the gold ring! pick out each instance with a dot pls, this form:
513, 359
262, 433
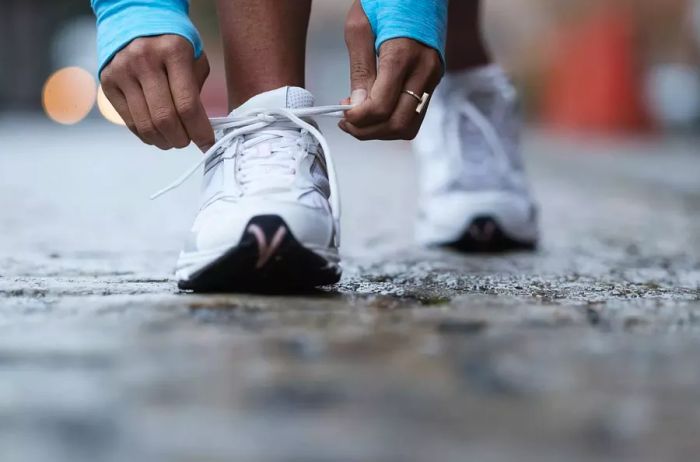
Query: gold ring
422, 100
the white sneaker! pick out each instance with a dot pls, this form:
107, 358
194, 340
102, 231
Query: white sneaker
474, 194
269, 212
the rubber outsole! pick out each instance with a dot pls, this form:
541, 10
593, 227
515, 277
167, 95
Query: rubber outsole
268, 259
485, 235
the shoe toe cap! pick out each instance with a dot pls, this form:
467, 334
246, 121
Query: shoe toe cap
225, 224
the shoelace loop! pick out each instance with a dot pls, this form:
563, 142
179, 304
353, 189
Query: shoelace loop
256, 120
487, 130
272, 168
464, 107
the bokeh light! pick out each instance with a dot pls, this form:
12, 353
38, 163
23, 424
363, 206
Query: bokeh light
69, 95
106, 108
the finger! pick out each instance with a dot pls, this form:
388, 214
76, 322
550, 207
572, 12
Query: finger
185, 89
359, 39
404, 123
156, 90
118, 100
383, 96
201, 70
142, 116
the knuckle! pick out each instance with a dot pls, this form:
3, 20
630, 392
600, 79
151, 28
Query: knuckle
116, 68
137, 64
109, 83
186, 107
409, 133
203, 140
404, 48
171, 43
355, 27
382, 111
181, 143
352, 131
392, 60
110, 86
117, 62
148, 134
400, 47
163, 118
396, 128
107, 76
433, 62
396, 123
176, 51
139, 48
146, 129
359, 71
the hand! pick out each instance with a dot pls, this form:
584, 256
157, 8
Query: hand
154, 84
383, 111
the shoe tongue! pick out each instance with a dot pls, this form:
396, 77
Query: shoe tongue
285, 97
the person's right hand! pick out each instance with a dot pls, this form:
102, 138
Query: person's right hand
154, 84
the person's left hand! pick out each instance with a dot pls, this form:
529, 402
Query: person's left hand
384, 111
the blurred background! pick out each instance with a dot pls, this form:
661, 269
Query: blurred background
102, 360
629, 66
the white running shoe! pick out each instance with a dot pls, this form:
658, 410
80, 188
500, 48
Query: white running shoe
269, 212
474, 193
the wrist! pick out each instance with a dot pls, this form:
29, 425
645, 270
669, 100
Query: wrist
117, 28
424, 21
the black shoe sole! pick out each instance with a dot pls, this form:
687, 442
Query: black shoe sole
485, 235
289, 268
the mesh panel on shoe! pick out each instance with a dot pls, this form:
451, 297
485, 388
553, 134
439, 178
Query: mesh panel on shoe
299, 98
320, 178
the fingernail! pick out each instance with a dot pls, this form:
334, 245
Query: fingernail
358, 96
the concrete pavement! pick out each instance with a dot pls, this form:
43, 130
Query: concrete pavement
585, 350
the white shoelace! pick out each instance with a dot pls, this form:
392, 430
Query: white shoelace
487, 130
254, 122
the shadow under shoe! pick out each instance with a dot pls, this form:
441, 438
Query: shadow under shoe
485, 235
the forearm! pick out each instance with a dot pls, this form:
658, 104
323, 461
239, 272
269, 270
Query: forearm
421, 20
121, 21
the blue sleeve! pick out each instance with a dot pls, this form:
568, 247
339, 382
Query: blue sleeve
121, 21
422, 20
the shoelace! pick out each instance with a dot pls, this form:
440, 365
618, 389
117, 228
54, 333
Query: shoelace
254, 122
482, 123
260, 170
485, 126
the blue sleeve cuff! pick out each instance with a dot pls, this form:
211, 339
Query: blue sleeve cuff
119, 22
422, 20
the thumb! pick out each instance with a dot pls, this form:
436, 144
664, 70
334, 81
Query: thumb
359, 39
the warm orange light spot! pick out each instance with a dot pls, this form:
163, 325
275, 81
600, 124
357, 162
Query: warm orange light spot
106, 108
69, 95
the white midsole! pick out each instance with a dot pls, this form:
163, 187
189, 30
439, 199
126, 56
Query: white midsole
513, 212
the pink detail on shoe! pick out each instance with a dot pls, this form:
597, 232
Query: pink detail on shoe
484, 234
266, 251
